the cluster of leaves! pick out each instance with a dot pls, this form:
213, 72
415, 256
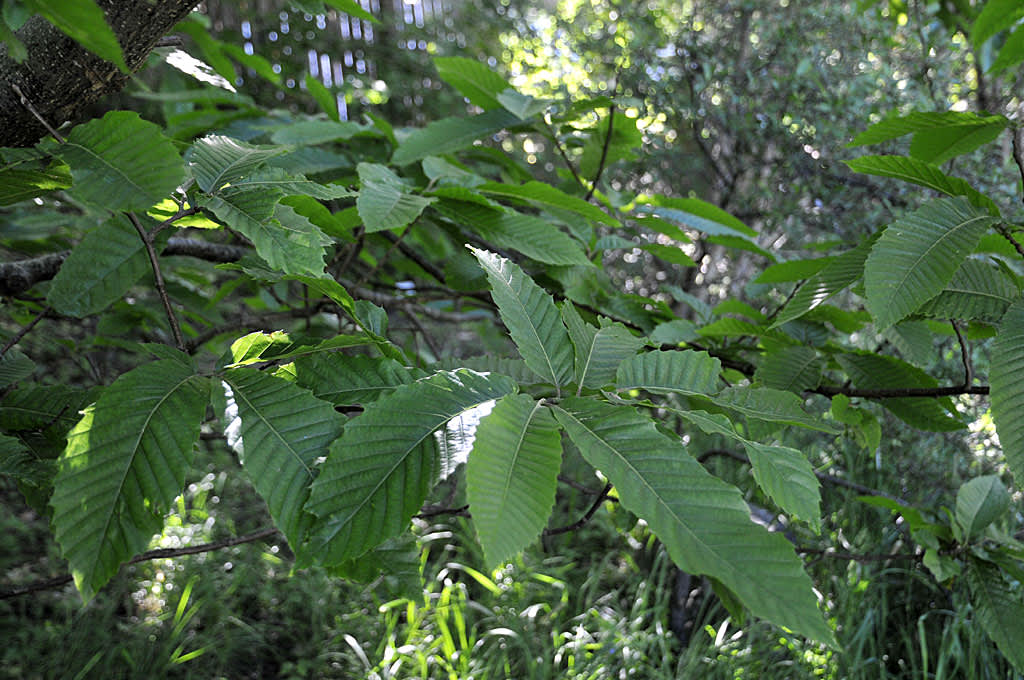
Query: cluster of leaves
328, 205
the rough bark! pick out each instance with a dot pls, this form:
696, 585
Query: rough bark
60, 78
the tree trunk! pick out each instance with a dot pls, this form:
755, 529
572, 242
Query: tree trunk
60, 78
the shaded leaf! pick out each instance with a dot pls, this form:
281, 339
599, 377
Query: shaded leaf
100, 269
1007, 394
793, 369
659, 372
343, 380
544, 195
774, 406
121, 162
216, 160
599, 351
980, 502
473, 79
923, 174
451, 134
843, 271
998, 609
978, 291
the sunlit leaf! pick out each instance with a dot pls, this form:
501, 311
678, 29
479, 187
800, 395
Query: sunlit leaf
124, 464
512, 474
657, 479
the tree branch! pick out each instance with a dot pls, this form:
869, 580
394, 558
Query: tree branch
19, 276
158, 277
160, 553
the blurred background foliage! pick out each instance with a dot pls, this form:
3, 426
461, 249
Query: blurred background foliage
744, 103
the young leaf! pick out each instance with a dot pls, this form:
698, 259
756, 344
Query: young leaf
998, 608
980, 502
1007, 387
121, 162
918, 255
531, 317
660, 372
512, 474
278, 431
658, 480
124, 464
598, 351
100, 270
473, 79
377, 474
451, 134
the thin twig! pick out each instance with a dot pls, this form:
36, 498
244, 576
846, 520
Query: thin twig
433, 511
601, 498
1005, 233
160, 553
855, 557
24, 331
604, 153
965, 354
562, 153
31, 109
158, 277
1018, 152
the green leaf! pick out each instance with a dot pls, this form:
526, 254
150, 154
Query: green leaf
661, 372
995, 16
979, 291
546, 196
324, 97
312, 132
670, 254
378, 473
281, 181
843, 271
384, 200
18, 462
532, 236
783, 473
703, 522
124, 464
923, 174
84, 22
531, 317
278, 431
353, 9
1011, 53
599, 351
980, 502
998, 609
918, 255
875, 371
344, 380
284, 238
938, 136
22, 181
696, 214
1007, 394
451, 134
100, 270
121, 162
512, 475
473, 79
774, 406
523, 106
278, 346
674, 332
793, 369
14, 366
216, 161
794, 270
